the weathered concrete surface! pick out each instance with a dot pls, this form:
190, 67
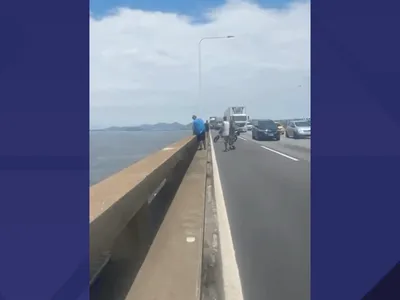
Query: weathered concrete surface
117, 199
172, 268
212, 287
107, 192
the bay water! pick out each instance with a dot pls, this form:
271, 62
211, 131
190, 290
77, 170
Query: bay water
112, 151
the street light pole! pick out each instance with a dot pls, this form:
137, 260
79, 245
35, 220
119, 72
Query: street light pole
199, 52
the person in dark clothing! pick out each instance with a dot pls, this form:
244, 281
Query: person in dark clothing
232, 128
232, 132
207, 127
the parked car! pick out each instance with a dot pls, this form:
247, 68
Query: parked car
280, 128
265, 130
298, 129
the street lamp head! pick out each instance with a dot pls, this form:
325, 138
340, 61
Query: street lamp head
230, 37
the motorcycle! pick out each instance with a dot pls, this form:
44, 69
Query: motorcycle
231, 141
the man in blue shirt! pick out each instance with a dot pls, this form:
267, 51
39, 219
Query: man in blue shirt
199, 130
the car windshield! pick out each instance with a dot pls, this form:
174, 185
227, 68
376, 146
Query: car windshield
266, 125
302, 124
239, 118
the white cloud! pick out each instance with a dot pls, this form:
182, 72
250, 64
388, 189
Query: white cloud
144, 65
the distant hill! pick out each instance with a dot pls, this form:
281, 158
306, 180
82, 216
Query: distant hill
152, 127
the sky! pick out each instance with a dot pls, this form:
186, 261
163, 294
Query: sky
144, 60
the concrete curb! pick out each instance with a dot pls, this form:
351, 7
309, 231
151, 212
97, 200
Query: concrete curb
227, 272
212, 272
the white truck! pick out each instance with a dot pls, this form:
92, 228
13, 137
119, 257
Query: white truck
239, 116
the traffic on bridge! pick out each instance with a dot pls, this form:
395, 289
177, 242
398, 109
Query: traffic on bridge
221, 210
265, 195
225, 223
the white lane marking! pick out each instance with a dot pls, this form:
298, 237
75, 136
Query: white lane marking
280, 153
242, 138
230, 272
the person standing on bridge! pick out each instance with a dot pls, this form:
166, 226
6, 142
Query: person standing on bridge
199, 130
207, 126
232, 133
224, 132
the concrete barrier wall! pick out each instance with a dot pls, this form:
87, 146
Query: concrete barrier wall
125, 212
172, 268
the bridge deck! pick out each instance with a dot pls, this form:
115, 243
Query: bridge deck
267, 195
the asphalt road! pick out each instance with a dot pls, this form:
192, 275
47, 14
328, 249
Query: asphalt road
267, 196
300, 148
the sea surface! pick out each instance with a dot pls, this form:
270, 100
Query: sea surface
112, 151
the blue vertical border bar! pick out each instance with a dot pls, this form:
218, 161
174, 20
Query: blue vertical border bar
355, 195
44, 149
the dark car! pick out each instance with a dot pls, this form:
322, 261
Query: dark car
265, 130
